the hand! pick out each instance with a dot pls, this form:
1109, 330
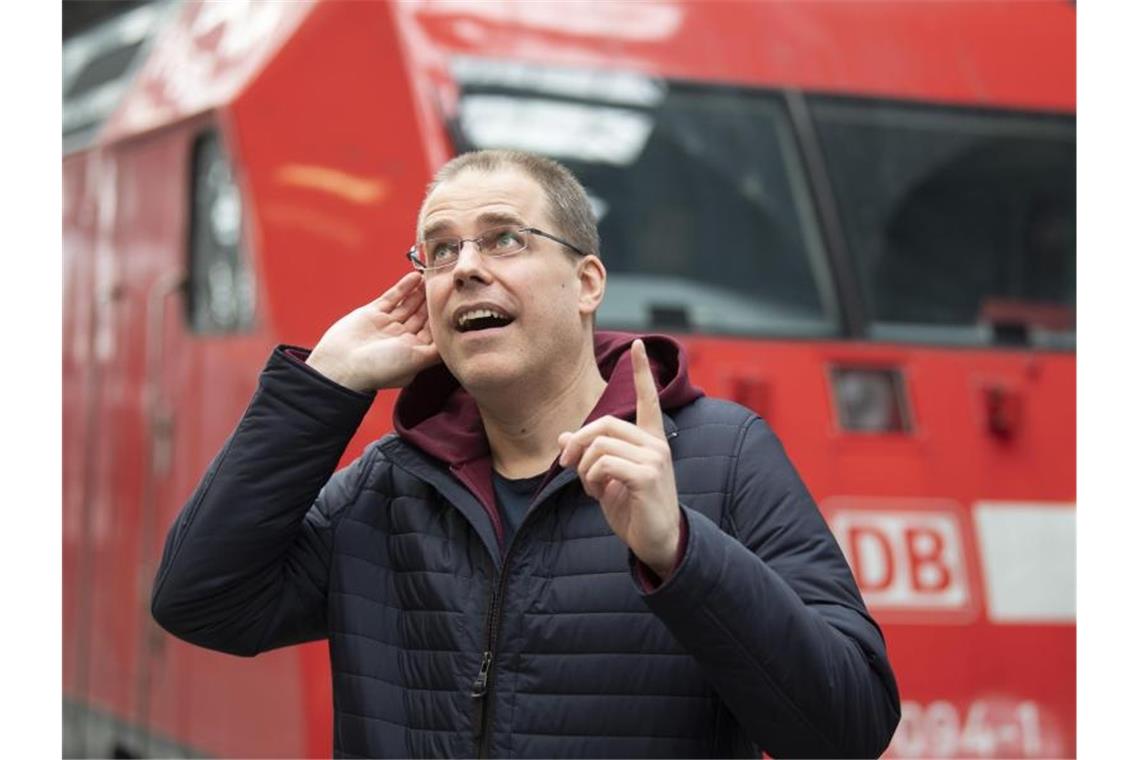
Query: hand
383, 344
628, 468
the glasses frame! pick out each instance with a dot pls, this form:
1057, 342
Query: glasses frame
420, 266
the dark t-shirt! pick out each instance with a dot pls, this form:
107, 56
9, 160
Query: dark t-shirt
514, 498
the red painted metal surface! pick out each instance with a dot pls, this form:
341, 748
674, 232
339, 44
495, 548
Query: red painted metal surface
1005, 54
334, 130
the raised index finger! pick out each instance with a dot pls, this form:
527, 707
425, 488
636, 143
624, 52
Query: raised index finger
648, 407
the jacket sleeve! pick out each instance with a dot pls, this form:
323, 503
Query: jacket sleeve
773, 615
245, 565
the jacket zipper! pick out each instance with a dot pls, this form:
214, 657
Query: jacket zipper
482, 683
481, 686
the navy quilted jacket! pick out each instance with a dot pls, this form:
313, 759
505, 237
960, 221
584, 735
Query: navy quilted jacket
443, 642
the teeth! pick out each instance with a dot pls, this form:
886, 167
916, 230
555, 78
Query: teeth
479, 314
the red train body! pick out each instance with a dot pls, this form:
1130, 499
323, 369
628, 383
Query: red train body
260, 176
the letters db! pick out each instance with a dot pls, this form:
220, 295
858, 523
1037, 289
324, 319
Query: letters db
911, 558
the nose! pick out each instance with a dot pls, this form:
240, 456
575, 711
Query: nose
470, 265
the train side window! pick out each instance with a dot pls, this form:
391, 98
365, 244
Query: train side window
99, 63
962, 224
220, 292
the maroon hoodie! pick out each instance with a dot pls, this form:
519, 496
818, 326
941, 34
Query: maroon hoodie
439, 417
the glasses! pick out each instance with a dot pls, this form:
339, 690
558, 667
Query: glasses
438, 253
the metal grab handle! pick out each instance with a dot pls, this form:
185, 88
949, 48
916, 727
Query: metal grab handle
159, 416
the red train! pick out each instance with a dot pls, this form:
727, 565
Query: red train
858, 217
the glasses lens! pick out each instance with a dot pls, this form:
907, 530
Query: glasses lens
439, 252
502, 241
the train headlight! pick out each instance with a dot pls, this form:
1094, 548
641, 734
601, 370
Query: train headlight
870, 400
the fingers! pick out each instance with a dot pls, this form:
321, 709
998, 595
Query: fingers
575, 444
425, 347
408, 308
605, 445
415, 323
642, 460
398, 292
608, 469
424, 334
648, 407
613, 492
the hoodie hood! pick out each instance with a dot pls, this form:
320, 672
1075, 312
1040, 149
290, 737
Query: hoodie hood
435, 414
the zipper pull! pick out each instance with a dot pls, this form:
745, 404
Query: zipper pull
479, 688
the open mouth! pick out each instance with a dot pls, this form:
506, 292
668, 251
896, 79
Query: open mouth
481, 319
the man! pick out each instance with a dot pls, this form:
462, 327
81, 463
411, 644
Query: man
564, 548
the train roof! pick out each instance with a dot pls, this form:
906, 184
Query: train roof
998, 54
167, 61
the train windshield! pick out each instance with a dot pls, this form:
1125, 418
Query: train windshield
704, 211
962, 225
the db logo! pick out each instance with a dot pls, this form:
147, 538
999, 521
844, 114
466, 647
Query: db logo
909, 557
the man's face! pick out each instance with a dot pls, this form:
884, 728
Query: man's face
540, 289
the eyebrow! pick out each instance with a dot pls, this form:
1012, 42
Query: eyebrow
484, 220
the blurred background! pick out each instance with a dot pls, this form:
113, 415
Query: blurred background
858, 217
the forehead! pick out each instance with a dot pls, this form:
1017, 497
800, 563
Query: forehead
457, 204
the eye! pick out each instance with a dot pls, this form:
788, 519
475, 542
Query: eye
442, 251
506, 240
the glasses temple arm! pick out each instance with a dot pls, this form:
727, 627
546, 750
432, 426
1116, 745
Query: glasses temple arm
572, 247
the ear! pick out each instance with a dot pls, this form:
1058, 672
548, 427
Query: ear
591, 284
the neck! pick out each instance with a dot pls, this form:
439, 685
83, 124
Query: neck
522, 425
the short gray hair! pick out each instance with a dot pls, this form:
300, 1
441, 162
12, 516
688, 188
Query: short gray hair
566, 199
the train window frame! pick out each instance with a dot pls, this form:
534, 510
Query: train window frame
221, 284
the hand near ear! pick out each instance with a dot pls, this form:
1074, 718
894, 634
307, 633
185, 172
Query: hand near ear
383, 344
